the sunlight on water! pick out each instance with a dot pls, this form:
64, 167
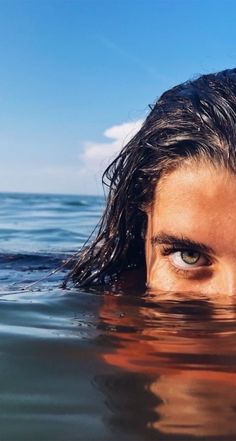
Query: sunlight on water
81, 366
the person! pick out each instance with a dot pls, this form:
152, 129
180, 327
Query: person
171, 206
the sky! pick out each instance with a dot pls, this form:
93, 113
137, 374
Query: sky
77, 76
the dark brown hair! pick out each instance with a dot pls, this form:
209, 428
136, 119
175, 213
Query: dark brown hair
194, 119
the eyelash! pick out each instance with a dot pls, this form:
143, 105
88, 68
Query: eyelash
167, 251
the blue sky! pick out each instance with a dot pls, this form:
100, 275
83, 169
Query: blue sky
76, 78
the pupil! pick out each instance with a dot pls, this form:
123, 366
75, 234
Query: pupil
190, 257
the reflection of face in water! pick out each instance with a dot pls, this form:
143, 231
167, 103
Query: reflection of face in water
178, 361
191, 234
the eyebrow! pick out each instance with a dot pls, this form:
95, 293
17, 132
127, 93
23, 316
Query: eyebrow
180, 242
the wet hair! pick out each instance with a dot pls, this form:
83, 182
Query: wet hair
196, 119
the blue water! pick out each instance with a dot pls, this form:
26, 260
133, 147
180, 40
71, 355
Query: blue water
90, 366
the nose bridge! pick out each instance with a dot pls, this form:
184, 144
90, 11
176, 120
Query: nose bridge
227, 282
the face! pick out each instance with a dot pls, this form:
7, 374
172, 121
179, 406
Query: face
191, 233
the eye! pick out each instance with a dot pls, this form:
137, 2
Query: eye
188, 259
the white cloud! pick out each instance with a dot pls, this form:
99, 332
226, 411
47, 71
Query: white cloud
81, 176
97, 155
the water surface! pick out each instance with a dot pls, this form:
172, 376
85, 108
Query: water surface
112, 366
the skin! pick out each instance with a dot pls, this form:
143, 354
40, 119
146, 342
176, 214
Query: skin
191, 234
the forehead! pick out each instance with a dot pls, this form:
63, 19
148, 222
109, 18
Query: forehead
196, 200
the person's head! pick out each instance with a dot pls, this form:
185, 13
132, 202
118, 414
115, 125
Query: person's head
171, 206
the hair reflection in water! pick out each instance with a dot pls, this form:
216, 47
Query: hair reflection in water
176, 367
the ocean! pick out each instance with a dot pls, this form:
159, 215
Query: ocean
77, 365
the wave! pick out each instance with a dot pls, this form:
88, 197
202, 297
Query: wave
44, 260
